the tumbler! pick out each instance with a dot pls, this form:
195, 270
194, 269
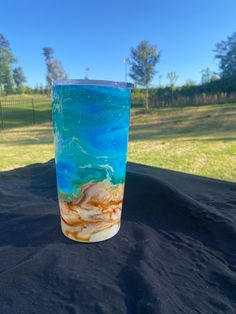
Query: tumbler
90, 127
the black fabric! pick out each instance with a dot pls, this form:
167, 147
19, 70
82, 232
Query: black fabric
175, 252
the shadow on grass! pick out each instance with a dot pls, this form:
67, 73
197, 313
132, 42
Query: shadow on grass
25, 117
31, 131
217, 123
39, 137
150, 132
167, 129
214, 139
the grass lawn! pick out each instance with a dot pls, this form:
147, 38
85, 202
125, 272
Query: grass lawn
199, 140
17, 112
23, 96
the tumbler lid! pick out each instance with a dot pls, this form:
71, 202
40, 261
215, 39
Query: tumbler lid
93, 82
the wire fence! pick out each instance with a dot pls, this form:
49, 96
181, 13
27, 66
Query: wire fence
22, 112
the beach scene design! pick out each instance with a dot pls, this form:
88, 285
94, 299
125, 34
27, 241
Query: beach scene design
90, 125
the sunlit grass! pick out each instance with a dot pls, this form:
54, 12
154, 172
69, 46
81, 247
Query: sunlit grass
199, 140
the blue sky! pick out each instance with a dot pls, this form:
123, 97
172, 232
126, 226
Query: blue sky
99, 34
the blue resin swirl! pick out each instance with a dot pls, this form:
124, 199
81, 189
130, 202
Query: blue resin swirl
90, 125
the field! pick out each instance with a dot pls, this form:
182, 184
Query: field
199, 140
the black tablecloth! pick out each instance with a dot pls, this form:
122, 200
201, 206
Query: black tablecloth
175, 252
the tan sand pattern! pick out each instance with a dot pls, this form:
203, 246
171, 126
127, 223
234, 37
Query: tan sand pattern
95, 215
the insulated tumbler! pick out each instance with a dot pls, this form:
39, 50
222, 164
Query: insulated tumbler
90, 126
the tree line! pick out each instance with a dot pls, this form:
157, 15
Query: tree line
145, 57
142, 69
12, 77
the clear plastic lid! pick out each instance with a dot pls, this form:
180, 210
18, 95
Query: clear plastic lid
94, 82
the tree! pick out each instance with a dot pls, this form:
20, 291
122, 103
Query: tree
41, 89
7, 80
36, 89
226, 54
205, 75
142, 65
172, 77
190, 83
4, 43
6, 60
208, 76
160, 77
55, 70
19, 77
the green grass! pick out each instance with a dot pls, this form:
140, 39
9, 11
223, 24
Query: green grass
18, 112
199, 140
23, 96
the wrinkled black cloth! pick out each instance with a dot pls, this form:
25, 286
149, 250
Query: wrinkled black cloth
175, 252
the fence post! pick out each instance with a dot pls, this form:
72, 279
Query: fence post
1, 114
33, 112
